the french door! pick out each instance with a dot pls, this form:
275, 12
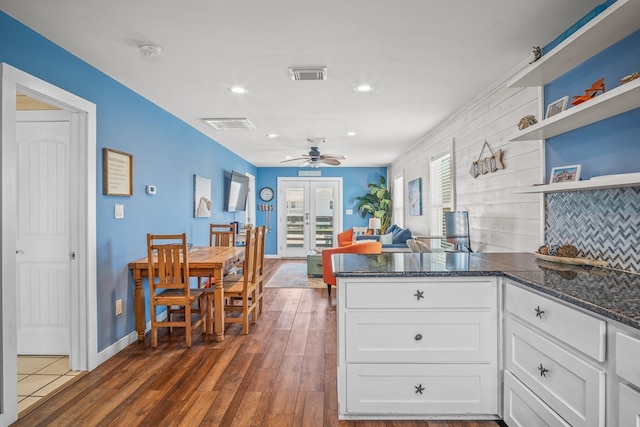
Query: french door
309, 214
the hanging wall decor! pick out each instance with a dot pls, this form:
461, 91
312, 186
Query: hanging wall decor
487, 164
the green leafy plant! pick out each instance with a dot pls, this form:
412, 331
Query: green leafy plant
377, 203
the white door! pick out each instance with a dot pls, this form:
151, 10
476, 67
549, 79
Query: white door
309, 215
43, 244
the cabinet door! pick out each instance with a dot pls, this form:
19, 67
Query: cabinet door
629, 409
421, 294
570, 386
421, 336
422, 389
522, 408
580, 330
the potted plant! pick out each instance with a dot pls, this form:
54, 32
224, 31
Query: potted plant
377, 203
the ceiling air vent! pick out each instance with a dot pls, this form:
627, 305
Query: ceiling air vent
308, 73
240, 123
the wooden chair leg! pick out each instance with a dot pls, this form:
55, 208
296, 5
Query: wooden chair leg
329, 289
187, 324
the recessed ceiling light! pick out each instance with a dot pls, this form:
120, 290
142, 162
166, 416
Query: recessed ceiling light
238, 89
364, 88
272, 135
351, 133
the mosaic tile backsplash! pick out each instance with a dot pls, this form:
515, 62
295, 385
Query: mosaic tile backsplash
602, 224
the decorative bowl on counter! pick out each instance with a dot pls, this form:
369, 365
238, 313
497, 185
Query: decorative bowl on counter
569, 260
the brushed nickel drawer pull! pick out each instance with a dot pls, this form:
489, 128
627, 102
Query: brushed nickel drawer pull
419, 294
419, 389
418, 337
543, 371
539, 312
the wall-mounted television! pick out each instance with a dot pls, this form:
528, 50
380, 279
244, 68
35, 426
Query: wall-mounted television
237, 191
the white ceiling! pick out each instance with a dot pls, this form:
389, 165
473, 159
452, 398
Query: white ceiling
425, 59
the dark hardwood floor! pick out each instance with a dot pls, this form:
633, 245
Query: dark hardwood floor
282, 374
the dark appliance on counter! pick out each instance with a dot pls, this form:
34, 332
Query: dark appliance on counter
457, 230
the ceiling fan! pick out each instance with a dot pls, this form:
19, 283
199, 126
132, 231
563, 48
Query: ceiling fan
315, 159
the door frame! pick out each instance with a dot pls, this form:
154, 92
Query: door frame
83, 305
282, 209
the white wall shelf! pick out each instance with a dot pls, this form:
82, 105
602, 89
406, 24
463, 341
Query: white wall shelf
616, 101
612, 25
610, 181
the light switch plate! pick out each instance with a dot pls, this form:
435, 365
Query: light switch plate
349, 212
119, 211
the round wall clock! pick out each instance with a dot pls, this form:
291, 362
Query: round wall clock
266, 194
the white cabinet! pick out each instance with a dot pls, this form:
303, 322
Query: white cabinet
417, 348
627, 370
629, 406
552, 350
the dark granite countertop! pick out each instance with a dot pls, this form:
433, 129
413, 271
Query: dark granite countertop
609, 293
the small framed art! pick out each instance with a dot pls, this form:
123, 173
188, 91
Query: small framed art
557, 107
117, 177
565, 174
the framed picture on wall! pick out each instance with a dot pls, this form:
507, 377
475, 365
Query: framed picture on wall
565, 174
415, 197
557, 107
201, 197
117, 173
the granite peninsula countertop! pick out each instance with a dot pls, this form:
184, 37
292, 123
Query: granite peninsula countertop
609, 293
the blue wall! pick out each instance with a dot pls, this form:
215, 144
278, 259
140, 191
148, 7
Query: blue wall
167, 152
609, 146
354, 182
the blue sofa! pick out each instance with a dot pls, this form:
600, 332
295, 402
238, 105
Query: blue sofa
395, 240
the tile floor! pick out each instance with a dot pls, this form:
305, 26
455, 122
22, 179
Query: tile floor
40, 375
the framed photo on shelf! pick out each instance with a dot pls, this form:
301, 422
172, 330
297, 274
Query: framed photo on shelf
565, 174
557, 107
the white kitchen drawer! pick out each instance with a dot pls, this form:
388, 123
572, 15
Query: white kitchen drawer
569, 385
421, 336
629, 407
421, 389
522, 408
575, 328
421, 294
628, 358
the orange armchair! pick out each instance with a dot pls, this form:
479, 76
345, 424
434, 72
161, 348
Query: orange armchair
368, 247
345, 238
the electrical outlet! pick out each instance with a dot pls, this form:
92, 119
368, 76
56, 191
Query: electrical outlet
118, 307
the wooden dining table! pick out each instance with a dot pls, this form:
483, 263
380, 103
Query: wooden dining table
204, 261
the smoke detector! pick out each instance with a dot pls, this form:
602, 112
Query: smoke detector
150, 50
308, 73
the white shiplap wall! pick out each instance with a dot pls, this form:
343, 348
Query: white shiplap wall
500, 220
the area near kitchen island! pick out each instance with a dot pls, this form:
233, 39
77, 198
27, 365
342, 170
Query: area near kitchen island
551, 342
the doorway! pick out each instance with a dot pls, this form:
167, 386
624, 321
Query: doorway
81, 249
310, 214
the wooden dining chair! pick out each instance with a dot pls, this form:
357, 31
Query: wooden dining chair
259, 265
222, 235
243, 291
168, 270
219, 235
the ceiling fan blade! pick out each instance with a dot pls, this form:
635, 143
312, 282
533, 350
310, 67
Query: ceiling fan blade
297, 158
334, 156
333, 162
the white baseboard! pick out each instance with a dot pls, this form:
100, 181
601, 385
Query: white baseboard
124, 342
